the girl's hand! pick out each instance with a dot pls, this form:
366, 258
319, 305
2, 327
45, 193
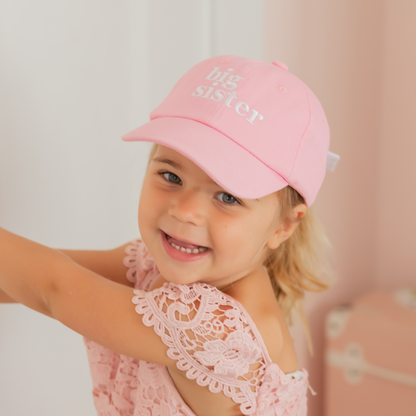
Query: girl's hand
49, 282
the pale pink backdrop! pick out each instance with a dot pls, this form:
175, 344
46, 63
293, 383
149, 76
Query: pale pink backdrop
359, 57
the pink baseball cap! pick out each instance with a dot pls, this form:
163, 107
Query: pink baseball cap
252, 126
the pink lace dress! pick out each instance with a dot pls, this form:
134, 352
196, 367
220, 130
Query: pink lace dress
213, 340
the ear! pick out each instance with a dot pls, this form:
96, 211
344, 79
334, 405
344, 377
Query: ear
285, 229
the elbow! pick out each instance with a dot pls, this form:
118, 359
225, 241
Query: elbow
54, 286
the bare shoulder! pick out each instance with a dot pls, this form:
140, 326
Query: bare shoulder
265, 315
260, 303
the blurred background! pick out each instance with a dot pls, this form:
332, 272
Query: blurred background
76, 75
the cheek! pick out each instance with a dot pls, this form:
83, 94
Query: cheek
141, 215
250, 236
242, 236
147, 208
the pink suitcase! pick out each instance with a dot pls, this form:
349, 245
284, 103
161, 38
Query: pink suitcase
371, 356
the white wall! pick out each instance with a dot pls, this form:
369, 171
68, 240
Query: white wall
66, 180
75, 76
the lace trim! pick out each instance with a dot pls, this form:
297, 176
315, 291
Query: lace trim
209, 337
281, 395
139, 262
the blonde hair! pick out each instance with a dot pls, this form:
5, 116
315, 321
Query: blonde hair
295, 266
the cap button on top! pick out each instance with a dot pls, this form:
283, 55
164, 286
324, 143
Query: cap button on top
280, 65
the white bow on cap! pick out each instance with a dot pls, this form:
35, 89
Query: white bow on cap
331, 161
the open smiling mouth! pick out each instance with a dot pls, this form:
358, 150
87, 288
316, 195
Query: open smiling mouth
185, 247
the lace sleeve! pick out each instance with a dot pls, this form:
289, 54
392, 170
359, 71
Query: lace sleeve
139, 262
209, 337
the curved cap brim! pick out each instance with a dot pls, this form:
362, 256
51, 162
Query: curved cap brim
227, 163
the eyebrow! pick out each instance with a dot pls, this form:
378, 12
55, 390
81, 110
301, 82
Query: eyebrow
178, 166
168, 162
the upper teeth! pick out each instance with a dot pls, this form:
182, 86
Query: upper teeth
187, 250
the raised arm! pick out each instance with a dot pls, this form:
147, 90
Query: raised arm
106, 263
51, 283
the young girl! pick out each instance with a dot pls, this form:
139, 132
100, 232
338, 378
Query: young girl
192, 321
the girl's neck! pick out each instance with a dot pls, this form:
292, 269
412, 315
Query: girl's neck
242, 285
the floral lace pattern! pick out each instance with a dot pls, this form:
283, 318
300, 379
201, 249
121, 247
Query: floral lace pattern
139, 262
211, 338
281, 396
208, 336
230, 357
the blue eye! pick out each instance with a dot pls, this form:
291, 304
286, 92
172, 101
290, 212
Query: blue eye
171, 177
227, 198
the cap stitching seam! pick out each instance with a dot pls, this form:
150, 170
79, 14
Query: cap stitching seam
304, 132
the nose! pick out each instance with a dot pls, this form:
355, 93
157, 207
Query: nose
189, 207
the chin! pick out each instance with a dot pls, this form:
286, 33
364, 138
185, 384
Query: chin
180, 278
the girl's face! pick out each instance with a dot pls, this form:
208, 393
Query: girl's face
181, 205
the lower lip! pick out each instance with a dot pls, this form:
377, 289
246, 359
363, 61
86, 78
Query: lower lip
180, 255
